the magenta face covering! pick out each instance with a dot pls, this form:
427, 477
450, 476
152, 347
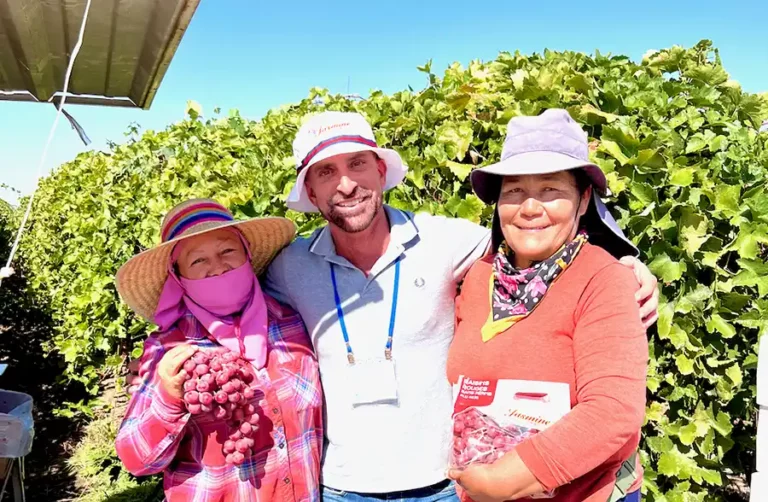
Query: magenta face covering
223, 294
230, 306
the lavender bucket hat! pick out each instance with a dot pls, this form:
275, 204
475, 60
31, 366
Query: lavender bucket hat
549, 143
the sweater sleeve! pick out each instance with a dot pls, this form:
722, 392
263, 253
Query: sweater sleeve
154, 423
610, 354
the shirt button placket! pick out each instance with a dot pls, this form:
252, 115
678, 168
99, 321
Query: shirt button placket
279, 434
280, 441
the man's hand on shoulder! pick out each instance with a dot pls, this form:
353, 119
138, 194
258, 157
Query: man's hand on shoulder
647, 295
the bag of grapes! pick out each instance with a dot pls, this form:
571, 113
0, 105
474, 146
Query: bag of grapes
491, 417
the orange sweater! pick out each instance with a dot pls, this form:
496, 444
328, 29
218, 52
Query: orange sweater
587, 333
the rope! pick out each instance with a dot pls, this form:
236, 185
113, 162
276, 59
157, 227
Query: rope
7, 271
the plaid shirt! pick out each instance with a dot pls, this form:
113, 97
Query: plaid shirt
159, 435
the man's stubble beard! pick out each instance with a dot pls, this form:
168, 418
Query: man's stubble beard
357, 223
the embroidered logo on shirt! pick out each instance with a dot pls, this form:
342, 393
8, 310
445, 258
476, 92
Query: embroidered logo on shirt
419, 282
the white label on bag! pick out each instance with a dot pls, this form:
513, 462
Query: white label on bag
373, 381
522, 403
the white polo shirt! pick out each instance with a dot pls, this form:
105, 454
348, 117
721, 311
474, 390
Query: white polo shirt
379, 448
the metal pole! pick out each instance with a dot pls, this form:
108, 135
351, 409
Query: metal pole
7, 477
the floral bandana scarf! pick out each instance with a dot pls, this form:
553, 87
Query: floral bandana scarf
516, 292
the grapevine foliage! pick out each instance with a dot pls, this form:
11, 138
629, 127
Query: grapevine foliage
677, 139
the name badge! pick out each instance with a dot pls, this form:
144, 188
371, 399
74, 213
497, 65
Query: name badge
373, 381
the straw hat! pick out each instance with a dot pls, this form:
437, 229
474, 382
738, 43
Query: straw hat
140, 281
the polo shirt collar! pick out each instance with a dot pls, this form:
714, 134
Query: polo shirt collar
402, 231
402, 228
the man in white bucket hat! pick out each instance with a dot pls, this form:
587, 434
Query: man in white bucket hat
329, 134
375, 288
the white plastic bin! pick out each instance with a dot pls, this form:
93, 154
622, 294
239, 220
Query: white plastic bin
16, 424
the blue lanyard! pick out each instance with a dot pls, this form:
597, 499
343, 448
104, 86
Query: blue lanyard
340, 314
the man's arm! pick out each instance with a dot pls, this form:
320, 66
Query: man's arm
274, 281
467, 242
647, 295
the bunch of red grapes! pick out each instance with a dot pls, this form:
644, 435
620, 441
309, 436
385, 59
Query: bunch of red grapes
477, 438
219, 383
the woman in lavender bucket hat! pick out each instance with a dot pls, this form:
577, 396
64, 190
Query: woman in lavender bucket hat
551, 307
550, 143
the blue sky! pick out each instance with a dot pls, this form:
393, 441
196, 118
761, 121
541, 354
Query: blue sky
256, 55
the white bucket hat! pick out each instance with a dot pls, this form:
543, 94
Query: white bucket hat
333, 133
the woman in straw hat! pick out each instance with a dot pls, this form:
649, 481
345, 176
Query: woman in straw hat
552, 308
200, 287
